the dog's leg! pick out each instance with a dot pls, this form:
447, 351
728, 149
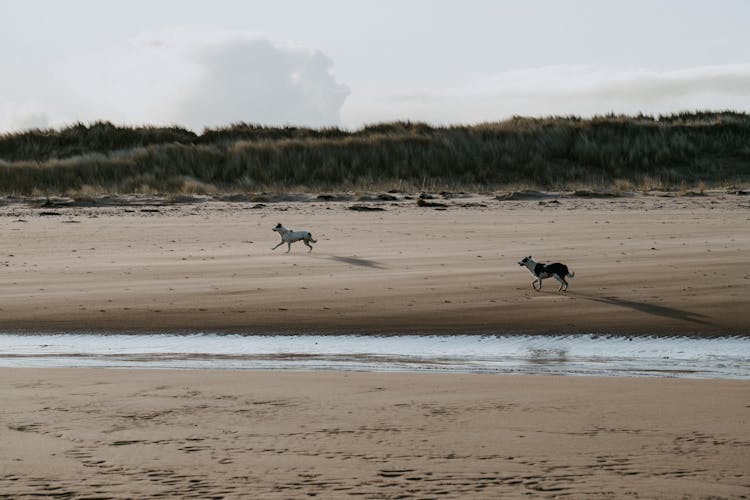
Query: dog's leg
562, 283
308, 245
288, 246
277, 246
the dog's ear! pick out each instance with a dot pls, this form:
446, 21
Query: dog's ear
529, 257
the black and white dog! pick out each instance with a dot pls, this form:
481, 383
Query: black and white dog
544, 271
288, 236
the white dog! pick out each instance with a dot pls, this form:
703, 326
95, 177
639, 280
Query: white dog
544, 271
288, 236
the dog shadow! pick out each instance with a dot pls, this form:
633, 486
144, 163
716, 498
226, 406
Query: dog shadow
645, 307
356, 261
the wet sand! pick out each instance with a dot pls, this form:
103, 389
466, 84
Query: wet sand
73, 433
643, 264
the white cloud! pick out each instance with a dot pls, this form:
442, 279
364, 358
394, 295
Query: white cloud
255, 80
213, 78
561, 90
192, 79
24, 119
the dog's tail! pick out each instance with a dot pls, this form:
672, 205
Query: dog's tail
570, 275
309, 235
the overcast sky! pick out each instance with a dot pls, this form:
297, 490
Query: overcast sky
352, 62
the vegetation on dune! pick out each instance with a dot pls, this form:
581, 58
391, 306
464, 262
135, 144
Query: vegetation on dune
552, 153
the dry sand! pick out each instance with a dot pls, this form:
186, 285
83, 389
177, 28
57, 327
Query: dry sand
75, 433
643, 264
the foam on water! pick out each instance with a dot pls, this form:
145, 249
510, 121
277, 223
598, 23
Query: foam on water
725, 357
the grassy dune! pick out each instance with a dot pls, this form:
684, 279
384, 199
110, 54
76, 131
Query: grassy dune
607, 152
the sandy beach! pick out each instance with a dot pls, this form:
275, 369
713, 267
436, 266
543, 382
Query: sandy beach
643, 264
74, 433
651, 265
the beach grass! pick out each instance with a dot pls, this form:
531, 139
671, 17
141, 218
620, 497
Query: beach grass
612, 153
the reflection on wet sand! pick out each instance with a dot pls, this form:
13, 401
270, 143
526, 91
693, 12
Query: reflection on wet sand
727, 357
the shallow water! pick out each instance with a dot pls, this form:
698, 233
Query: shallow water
726, 357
